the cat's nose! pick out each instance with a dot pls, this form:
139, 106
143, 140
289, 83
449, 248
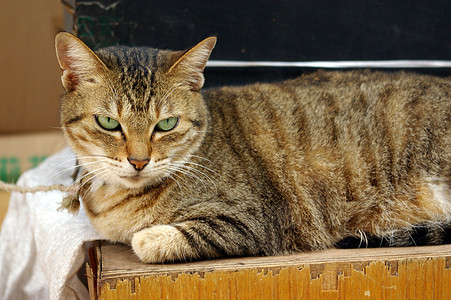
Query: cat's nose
138, 164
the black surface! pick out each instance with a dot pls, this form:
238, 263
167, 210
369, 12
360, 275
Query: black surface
273, 30
416, 236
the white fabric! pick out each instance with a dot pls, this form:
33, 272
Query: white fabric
41, 249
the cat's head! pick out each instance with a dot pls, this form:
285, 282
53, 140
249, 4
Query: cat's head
133, 116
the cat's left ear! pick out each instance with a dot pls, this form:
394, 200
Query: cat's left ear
190, 66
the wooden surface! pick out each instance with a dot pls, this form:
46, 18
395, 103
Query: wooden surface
383, 273
4, 201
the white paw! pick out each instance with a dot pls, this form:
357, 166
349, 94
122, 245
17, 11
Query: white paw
161, 243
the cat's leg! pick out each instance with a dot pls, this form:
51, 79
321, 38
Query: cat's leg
162, 243
203, 238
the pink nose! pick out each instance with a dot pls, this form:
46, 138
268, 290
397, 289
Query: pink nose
138, 164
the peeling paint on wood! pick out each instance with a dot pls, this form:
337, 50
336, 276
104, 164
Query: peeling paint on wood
383, 273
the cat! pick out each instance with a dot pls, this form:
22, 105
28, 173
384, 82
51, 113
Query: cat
329, 159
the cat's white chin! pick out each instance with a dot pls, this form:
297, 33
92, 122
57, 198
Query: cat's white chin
137, 181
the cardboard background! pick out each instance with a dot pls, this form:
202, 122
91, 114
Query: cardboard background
30, 87
29, 73
21, 152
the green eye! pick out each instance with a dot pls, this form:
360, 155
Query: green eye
167, 124
108, 123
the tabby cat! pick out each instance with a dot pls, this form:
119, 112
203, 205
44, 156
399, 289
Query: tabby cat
327, 159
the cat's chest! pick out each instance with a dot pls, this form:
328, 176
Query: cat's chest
118, 213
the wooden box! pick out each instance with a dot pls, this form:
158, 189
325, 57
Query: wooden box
114, 272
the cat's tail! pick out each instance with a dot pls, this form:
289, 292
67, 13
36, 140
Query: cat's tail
418, 235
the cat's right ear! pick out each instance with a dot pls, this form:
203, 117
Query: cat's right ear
77, 62
190, 66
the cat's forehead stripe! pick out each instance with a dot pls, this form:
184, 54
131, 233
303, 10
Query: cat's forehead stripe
135, 67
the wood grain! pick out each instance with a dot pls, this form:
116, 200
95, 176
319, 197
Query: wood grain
383, 273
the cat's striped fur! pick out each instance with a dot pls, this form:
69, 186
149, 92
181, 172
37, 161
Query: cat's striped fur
328, 158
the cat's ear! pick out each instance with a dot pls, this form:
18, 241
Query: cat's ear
190, 66
77, 62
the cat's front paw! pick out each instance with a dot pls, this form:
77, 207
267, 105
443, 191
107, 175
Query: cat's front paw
162, 243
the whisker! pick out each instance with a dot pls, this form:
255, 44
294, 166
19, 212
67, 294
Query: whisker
202, 166
185, 165
93, 156
74, 158
203, 174
188, 173
91, 179
175, 180
195, 167
78, 166
178, 176
93, 172
104, 176
168, 93
71, 158
84, 175
190, 168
